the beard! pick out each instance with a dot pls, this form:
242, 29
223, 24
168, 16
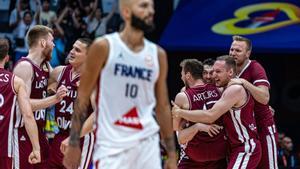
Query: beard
47, 53
140, 24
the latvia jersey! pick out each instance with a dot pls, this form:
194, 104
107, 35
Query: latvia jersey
23, 147
38, 89
63, 115
126, 97
7, 106
255, 74
243, 138
203, 148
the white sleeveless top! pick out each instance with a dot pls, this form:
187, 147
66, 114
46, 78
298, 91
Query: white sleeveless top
126, 97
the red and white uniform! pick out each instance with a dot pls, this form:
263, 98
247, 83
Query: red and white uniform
23, 145
204, 151
255, 74
240, 126
7, 114
63, 114
127, 133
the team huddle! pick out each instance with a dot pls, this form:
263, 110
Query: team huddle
225, 101
112, 106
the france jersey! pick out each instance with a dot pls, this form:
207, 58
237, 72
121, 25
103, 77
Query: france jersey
126, 97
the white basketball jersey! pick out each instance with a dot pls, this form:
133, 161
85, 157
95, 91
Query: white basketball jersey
126, 97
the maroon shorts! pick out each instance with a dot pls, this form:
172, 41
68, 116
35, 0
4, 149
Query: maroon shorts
23, 148
245, 157
56, 157
268, 137
187, 163
6, 163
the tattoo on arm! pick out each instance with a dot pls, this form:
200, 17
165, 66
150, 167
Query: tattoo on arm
170, 144
78, 118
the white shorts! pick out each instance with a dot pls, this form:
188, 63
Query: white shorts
146, 155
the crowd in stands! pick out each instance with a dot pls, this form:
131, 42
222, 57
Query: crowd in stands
69, 19
73, 19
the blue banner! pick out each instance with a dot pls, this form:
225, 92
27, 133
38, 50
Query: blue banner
208, 25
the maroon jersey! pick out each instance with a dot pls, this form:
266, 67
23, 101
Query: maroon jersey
203, 147
240, 125
7, 105
255, 74
64, 109
38, 88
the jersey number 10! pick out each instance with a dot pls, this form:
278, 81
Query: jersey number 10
131, 90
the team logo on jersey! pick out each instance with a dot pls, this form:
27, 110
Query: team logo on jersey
149, 61
130, 119
45, 68
22, 138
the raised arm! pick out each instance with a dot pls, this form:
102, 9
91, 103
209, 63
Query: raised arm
29, 121
163, 113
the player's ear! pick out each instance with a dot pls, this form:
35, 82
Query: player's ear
248, 53
43, 43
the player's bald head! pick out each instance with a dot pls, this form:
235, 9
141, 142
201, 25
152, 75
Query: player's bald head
124, 3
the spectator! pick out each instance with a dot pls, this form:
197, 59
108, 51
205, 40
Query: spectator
58, 53
287, 158
46, 16
96, 24
24, 25
18, 12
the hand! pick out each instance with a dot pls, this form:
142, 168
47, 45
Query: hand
171, 163
175, 110
235, 81
64, 145
211, 130
61, 92
34, 157
72, 157
214, 130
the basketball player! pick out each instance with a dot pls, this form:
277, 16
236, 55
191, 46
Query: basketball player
253, 77
199, 150
12, 90
69, 76
208, 71
239, 122
34, 70
130, 75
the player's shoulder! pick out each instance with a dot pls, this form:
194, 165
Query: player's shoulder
234, 90
255, 65
181, 98
58, 69
161, 52
23, 64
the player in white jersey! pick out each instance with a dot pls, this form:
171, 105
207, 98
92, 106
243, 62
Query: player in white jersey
130, 75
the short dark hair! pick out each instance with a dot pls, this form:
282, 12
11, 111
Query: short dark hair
37, 32
229, 61
86, 41
194, 66
209, 62
4, 48
243, 39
